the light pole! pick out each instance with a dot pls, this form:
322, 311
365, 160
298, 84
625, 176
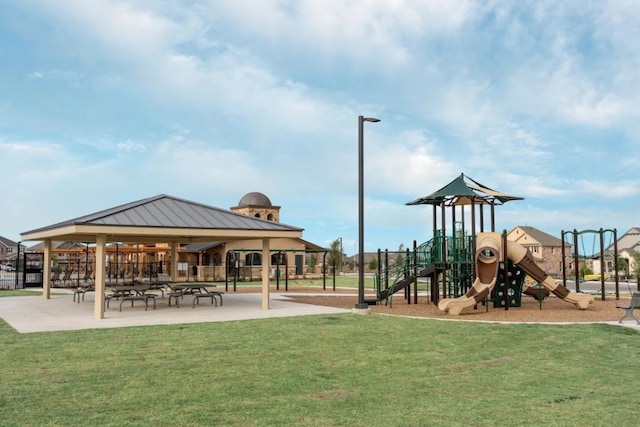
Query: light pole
341, 254
361, 304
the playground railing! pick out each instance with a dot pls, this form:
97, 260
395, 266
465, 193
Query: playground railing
425, 255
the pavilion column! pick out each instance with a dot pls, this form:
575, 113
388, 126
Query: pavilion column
174, 261
101, 249
266, 263
46, 273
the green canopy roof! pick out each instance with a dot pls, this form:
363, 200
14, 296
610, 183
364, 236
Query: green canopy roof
464, 191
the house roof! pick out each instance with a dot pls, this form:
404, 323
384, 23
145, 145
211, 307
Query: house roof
58, 246
629, 240
6, 242
545, 239
163, 218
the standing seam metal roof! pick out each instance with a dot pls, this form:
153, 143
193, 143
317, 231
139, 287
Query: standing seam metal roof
172, 212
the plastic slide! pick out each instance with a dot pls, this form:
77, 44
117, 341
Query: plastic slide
521, 256
488, 255
487, 260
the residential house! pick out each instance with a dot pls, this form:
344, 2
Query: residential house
9, 250
628, 245
67, 255
545, 248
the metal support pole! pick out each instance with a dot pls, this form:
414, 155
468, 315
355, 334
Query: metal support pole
361, 304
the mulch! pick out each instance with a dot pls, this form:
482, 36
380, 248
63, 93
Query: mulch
552, 309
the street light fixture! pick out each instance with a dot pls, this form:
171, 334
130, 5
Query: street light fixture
361, 304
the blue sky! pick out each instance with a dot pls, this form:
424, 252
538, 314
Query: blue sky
107, 102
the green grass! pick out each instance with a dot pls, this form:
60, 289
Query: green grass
18, 293
24, 293
341, 282
329, 370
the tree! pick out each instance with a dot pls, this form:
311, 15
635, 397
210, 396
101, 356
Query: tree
312, 262
335, 254
636, 265
623, 266
584, 269
373, 264
400, 256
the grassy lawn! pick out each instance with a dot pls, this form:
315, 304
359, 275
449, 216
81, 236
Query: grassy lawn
350, 281
328, 370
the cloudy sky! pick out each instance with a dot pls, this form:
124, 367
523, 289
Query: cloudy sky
107, 102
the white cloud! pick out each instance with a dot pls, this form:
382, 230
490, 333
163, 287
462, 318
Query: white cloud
405, 166
372, 31
249, 94
609, 190
129, 146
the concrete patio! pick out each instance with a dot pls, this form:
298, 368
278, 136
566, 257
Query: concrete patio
36, 314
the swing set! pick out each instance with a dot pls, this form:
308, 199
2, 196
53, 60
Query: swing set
574, 237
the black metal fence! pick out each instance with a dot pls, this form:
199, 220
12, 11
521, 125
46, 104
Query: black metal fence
9, 276
27, 271
22, 272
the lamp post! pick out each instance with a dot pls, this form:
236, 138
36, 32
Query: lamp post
361, 304
341, 254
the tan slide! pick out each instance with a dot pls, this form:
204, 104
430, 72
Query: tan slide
521, 256
487, 258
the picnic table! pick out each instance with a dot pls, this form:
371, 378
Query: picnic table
131, 293
161, 285
197, 289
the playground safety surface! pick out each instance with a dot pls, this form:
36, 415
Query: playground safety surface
551, 310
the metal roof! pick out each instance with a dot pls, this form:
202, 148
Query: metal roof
199, 247
163, 218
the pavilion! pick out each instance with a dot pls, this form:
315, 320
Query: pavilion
159, 219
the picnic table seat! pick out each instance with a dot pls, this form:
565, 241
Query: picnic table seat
210, 294
138, 297
114, 295
80, 291
175, 295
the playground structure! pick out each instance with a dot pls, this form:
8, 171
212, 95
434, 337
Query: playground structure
491, 247
467, 268
447, 260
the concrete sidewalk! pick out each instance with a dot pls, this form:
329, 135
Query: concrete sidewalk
35, 314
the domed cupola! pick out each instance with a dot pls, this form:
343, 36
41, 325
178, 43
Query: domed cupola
257, 205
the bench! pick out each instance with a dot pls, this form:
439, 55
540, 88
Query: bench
634, 303
212, 295
81, 291
143, 297
115, 295
177, 295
